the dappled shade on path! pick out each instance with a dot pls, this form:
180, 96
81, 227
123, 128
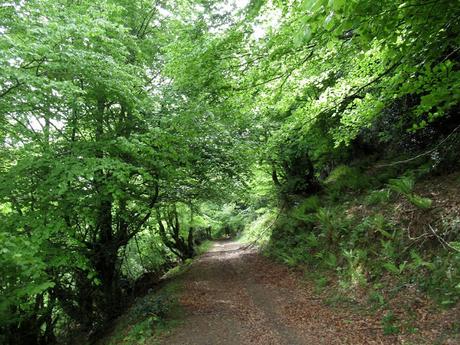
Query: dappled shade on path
233, 295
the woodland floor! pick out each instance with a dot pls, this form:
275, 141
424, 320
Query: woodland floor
233, 295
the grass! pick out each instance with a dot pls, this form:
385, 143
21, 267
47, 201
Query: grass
259, 231
204, 247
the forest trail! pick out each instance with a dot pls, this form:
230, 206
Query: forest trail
233, 295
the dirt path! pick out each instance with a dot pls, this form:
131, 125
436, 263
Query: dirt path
235, 296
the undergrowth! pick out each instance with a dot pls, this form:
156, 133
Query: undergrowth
156, 314
151, 317
358, 233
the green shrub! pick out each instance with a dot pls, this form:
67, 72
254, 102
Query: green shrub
331, 222
390, 324
310, 204
320, 283
405, 185
345, 178
353, 273
378, 197
442, 281
149, 306
395, 269
312, 240
368, 229
376, 298
420, 202
326, 259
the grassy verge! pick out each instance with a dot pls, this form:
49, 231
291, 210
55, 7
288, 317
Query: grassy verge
155, 315
203, 247
150, 318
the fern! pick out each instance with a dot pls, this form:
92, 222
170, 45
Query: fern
403, 185
420, 202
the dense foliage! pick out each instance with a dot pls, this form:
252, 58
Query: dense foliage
97, 146
360, 101
132, 130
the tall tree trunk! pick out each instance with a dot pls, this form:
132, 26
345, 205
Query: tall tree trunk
105, 253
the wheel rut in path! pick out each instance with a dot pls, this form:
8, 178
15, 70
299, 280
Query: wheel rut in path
235, 296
